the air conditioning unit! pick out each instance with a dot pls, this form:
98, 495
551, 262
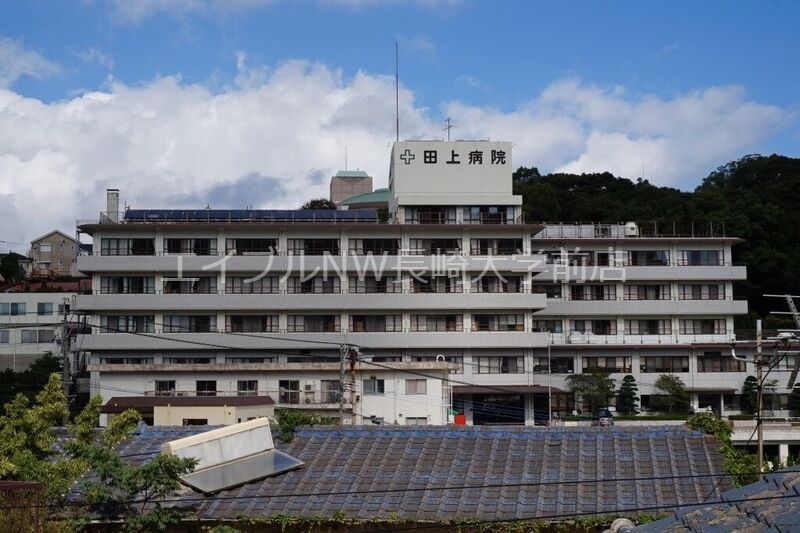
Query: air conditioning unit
308, 400
631, 229
309, 387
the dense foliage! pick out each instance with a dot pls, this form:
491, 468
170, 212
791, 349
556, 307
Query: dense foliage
627, 400
754, 198
742, 466
28, 382
32, 450
749, 401
671, 396
593, 386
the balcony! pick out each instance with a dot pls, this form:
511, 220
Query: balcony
675, 338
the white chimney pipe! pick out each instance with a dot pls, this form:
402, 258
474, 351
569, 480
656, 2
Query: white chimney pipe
112, 205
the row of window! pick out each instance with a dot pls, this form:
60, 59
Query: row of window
18, 309
258, 284
29, 336
394, 323
417, 246
289, 391
494, 364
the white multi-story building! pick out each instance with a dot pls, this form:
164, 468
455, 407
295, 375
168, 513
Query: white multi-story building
29, 324
456, 285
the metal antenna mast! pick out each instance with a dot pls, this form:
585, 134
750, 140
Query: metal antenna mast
448, 127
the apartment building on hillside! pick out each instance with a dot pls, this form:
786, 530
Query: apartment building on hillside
456, 285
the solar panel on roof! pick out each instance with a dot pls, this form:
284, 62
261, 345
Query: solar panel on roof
239, 472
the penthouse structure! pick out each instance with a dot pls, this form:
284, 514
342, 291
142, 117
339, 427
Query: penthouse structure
455, 305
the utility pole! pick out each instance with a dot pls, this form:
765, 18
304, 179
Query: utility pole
342, 354
760, 399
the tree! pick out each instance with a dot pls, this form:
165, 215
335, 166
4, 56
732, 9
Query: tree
595, 387
10, 269
121, 490
319, 203
794, 400
749, 402
627, 400
742, 466
672, 397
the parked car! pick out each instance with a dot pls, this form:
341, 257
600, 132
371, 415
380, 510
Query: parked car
603, 417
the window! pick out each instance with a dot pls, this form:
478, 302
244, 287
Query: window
596, 327
312, 246
550, 291
646, 292
498, 322
127, 324
593, 292
549, 326
34, 336
44, 308
416, 421
195, 421
702, 326
251, 323
501, 365
45, 248
164, 387
374, 246
437, 323
251, 246
701, 292
416, 386
289, 391
248, 387
206, 387
438, 284
4, 336
190, 246
199, 285
716, 362
648, 327
373, 386
376, 323
330, 390
664, 364
700, 257
8, 309
489, 215
613, 364
494, 284
127, 285
313, 323
127, 247
558, 365
648, 258
251, 284
372, 285
430, 215
314, 285
434, 246
495, 246
190, 323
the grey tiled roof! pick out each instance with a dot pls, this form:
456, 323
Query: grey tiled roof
772, 504
439, 473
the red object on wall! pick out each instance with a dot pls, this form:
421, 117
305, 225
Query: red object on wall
461, 420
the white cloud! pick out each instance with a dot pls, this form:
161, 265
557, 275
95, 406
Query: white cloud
17, 61
134, 12
274, 137
97, 56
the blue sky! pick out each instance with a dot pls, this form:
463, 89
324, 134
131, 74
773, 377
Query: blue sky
253, 102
